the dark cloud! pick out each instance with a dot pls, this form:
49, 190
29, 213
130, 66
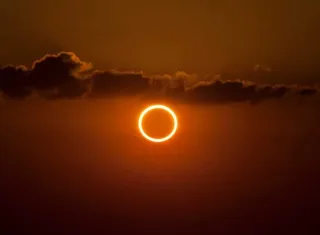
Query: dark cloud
14, 81
115, 82
65, 75
307, 91
59, 75
64, 71
219, 91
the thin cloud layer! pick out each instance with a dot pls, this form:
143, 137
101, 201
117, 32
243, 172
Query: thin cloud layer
115, 82
64, 75
234, 91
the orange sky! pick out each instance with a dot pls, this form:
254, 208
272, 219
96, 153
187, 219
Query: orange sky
199, 35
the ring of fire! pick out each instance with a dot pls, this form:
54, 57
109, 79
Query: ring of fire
165, 108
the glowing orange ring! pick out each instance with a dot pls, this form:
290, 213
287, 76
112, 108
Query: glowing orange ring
158, 106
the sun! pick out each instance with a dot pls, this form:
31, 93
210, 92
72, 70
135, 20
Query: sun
162, 107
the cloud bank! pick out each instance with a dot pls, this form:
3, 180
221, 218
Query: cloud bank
64, 75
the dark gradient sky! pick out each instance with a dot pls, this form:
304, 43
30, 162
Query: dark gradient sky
166, 35
81, 167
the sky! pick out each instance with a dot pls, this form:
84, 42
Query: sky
242, 77
245, 156
165, 35
77, 166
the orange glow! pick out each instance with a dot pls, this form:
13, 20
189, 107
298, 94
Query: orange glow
162, 107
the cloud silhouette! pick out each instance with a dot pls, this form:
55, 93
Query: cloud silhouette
64, 75
122, 83
219, 91
14, 81
64, 71
307, 91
